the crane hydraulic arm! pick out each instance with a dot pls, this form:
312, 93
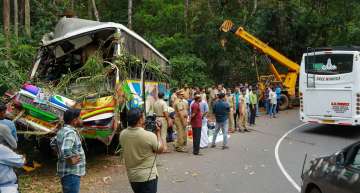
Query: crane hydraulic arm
294, 68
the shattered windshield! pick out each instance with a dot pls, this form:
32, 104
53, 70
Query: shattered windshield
79, 66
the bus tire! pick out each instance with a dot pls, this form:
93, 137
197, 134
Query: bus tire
284, 102
44, 147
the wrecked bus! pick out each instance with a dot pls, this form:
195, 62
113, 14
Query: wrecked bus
102, 68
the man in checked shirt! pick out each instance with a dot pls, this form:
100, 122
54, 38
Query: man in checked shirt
71, 157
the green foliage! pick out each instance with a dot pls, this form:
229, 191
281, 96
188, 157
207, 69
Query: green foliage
164, 17
289, 26
172, 45
14, 68
188, 69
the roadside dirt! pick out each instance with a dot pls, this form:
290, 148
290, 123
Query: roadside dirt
100, 175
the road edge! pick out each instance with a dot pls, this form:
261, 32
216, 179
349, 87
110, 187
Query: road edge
285, 173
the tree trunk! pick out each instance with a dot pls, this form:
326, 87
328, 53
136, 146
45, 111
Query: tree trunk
210, 9
96, 13
72, 5
186, 14
90, 15
255, 8
6, 22
16, 19
21, 14
27, 18
130, 4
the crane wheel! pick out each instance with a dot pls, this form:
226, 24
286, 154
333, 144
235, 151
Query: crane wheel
284, 102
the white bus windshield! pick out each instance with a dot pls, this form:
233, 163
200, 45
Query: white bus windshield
329, 64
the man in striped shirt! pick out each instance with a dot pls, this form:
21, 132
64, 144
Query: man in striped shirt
71, 163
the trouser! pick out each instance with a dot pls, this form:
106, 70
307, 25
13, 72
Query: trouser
231, 119
267, 106
257, 109
278, 106
243, 119
248, 112
70, 183
236, 118
181, 137
196, 140
252, 114
204, 139
164, 127
272, 110
224, 129
145, 187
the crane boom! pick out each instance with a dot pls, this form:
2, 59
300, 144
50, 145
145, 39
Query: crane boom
260, 46
290, 80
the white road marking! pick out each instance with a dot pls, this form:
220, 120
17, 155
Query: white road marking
288, 177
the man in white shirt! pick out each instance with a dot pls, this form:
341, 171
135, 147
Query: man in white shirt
273, 102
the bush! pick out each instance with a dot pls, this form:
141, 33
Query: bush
14, 68
189, 69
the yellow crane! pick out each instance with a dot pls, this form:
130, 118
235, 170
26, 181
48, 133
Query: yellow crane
288, 80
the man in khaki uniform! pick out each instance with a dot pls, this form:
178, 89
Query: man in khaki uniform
161, 111
187, 92
181, 114
243, 111
173, 99
230, 100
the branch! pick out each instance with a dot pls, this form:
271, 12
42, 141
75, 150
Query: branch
96, 13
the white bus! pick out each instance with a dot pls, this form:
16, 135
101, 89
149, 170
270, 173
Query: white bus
329, 86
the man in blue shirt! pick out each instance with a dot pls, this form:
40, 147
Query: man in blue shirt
237, 105
278, 97
6, 138
8, 123
221, 110
31, 165
9, 160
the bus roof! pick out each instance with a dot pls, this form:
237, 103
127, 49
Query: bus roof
71, 27
335, 48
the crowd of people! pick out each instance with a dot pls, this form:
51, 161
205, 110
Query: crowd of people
229, 110
188, 109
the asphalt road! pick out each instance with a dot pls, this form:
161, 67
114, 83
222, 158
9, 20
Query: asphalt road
249, 166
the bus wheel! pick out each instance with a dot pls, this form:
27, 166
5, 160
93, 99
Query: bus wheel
284, 102
44, 147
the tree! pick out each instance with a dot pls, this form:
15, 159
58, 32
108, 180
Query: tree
6, 23
72, 5
189, 69
27, 17
130, 4
16, 19
89, 9
186, 14
21, 13
96, 13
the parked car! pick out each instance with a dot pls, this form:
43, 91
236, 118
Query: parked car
337, 173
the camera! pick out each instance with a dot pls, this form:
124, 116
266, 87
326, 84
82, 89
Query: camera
151, 123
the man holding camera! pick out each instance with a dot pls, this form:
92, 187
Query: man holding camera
140, 148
